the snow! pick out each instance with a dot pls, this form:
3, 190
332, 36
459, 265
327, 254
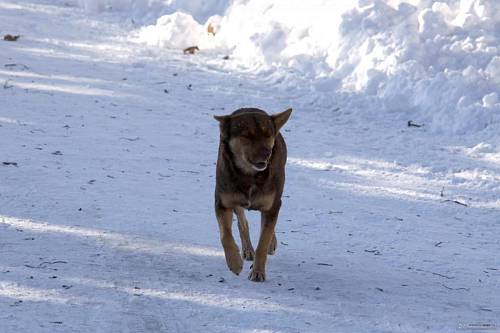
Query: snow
148, 10
433, 61
106, 217
177, 30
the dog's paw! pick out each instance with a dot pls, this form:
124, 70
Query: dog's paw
248, 254
234, 262
272, 246
257, 276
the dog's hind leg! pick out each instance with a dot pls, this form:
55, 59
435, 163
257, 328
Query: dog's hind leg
247, 251
231, 251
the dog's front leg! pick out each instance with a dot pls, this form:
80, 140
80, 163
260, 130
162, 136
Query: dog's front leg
247, 251
269, 219
231, 251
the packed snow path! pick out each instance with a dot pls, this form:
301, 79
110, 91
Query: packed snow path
106, 191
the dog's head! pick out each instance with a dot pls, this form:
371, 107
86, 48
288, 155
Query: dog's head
250, 134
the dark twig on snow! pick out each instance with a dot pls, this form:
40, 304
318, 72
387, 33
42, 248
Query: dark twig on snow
22, 66
457, 202
46, 263
450, 288
190, 171
412, 124
130, 139
437, 274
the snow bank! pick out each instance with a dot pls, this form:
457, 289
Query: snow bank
438, 62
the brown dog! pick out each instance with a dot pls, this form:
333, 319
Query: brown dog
251, 175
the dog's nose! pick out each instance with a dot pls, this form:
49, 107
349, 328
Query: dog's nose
265, 153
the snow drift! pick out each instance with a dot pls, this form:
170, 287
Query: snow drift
438, 62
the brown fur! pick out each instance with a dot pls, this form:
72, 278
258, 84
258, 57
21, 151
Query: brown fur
211, 29
11, 38
250, 175
191, 50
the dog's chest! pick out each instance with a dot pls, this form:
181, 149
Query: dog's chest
249, 197
253, 199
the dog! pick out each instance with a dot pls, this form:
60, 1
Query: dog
250, 174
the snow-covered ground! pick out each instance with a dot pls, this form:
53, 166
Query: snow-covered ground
106, 219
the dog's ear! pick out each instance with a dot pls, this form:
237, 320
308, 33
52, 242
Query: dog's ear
221, 119
281, 118
224, 126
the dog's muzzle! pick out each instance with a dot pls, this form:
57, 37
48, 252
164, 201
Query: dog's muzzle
260, 166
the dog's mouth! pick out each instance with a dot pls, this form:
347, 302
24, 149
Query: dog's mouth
259, 166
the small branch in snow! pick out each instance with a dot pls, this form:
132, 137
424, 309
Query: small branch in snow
456, 201
437, 274
190, 171
485, 309
130, 139
450, 288
163, 176
412, 124
45, 263
441, 275
375, 252
22, 66
16, 303
323, 264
